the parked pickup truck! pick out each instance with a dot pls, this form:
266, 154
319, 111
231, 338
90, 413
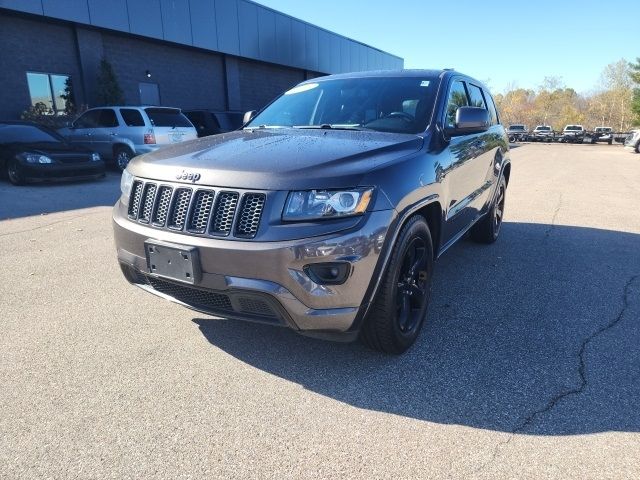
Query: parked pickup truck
573, 134
517, 133
326, 211
601, 134
542, 133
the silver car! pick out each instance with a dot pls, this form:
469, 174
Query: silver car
120, 133
632, 142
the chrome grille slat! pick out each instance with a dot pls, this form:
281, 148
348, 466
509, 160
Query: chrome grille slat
225, 211
161, 210
179, 209
148, 199
196, 211
250, 214
201, 210
136, 197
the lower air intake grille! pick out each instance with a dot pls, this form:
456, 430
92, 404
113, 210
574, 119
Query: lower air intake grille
192, 296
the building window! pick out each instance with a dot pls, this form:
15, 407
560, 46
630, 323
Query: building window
50, 93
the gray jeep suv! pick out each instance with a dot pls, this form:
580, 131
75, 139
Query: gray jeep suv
325, 213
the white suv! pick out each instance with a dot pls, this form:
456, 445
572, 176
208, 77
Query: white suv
120, 133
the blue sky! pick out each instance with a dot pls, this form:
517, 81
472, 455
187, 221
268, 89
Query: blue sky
571, 39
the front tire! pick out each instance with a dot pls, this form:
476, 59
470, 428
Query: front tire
14, 173
400, 306
488, 229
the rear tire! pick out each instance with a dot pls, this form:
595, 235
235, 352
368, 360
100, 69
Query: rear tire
638, 147
14, 173
122, 156
400, 306
488, 229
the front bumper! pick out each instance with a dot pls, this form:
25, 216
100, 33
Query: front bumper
264, 281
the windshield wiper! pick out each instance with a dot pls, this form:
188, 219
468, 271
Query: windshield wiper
264, 126
332, 126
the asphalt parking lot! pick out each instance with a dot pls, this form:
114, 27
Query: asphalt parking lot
529, 366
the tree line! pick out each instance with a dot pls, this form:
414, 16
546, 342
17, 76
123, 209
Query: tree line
615, 104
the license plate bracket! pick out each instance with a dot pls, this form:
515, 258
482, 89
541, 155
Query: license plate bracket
172, 261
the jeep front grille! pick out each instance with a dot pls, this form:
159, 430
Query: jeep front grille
197, 211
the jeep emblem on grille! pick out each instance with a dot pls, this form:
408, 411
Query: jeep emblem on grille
192, 177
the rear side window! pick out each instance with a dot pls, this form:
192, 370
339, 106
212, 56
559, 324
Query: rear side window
107, 118
457, 98
131, 117
493, 113
475, 94
167, 117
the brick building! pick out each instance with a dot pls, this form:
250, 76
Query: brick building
215, 54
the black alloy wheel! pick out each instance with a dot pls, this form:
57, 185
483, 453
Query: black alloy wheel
488, 228
412, 286
399, 308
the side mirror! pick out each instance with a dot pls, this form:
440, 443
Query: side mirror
248, 116
470, 120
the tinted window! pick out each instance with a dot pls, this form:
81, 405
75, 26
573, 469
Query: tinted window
131, 117
167, 117
493, 113
372, 103
475, 94
457, 99
26, 134
107, 118
88, 119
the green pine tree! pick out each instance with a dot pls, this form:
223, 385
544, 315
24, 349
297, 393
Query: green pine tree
109, 91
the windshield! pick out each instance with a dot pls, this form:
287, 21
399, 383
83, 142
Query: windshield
516, 127
387, 104
167, 117
26, 134
573, 127
603, 129
543, 129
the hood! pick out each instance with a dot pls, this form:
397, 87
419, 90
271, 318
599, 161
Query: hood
277, 159
47, 148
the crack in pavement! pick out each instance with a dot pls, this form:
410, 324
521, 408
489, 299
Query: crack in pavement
552, 225
582, 367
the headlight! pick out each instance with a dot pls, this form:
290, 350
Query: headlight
95, 157
315, 204
35, 158
125, 183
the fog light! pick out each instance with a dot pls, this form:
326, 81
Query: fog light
334, 273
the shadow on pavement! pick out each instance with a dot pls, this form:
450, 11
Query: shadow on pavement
51, 197
501, 349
